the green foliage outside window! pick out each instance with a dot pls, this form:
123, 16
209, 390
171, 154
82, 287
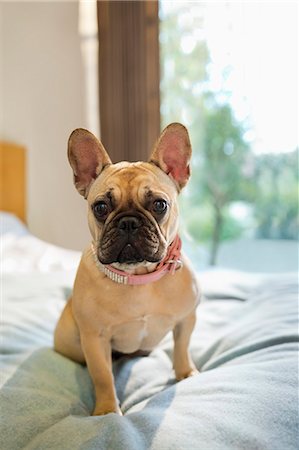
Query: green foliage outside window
225, 171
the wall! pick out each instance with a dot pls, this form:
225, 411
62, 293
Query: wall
42, 101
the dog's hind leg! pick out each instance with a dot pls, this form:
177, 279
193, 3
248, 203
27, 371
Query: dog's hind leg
67, 336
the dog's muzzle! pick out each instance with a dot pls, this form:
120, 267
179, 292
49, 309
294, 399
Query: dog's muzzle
128, 227
130, 239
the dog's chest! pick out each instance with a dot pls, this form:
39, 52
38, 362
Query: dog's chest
142, 333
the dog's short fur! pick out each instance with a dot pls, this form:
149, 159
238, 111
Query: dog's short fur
133, 218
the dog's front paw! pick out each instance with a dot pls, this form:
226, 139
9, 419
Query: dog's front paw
102, 410
182, 374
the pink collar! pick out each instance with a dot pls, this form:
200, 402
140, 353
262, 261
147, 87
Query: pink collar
170, 264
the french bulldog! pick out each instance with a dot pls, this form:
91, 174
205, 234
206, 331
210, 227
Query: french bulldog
133, 285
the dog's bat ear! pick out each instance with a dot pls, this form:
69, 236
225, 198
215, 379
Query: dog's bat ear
172, 153
87, 157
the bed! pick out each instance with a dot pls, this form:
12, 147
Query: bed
245, 345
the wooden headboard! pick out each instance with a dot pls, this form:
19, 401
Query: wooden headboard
13, 179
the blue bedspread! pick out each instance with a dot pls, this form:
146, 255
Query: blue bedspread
245, 345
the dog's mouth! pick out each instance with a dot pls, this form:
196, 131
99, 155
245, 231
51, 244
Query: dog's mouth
131, 240
129, 255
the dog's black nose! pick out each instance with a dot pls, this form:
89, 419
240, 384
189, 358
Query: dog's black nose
129, 224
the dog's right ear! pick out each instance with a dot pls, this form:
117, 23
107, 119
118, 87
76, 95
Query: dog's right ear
87, 157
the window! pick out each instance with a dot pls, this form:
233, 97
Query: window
230, 74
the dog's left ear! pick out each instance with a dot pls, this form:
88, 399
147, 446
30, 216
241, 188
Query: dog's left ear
87, 157
172, 153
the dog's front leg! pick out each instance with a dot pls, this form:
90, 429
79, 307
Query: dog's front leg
182, 362
97, 351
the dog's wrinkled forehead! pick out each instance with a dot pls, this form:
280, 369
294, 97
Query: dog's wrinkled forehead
129, 183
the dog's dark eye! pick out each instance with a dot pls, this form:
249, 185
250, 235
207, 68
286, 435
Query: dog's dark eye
100, 210
159, 206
